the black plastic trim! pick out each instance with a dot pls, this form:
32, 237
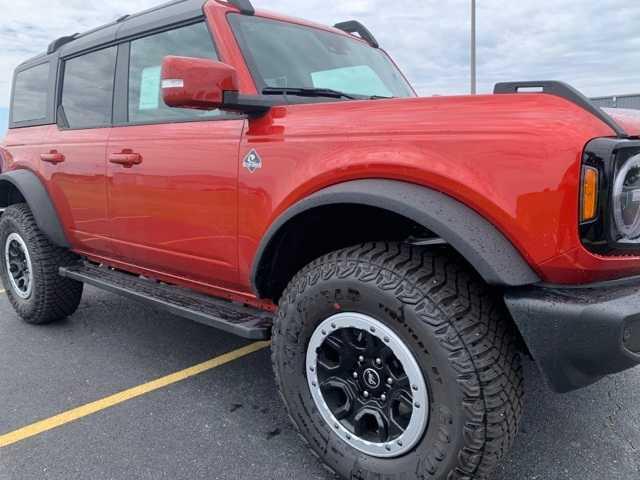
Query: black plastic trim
477, 240
563, 90
249, 104
618, 282
354, 26
606, 155
578, 335
56, 44
161, 19
37, 197
245, 6
121, 85
260, 329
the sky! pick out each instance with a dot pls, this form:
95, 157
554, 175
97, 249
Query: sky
594, 45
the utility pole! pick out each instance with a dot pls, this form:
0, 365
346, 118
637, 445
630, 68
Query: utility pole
474, 78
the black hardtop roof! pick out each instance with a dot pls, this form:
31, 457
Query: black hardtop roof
175, 11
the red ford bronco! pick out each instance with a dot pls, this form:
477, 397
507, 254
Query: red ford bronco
279, 179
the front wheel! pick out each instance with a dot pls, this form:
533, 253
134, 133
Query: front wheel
396, 362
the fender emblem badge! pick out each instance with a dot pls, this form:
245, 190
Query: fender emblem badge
252, 161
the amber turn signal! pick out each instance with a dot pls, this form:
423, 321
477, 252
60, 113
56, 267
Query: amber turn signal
589, 204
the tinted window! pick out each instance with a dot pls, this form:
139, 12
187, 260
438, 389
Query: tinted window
284, 54
145, 99
30, 99
87, 89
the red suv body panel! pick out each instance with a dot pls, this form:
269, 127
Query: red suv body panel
514, 159
190, 214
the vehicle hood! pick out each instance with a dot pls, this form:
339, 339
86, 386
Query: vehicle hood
629, 120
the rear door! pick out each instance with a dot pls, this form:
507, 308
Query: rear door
31, 114
75, 158
173, 207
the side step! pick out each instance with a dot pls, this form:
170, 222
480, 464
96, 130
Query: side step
225, 315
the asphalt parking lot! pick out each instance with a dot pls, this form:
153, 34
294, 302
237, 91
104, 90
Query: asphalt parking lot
228, 423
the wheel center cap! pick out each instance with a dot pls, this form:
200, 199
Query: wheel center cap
371, 378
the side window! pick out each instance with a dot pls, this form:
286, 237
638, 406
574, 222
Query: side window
145, 99
87, 89
30, 95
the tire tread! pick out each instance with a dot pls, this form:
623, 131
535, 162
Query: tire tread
469, 323
55, 297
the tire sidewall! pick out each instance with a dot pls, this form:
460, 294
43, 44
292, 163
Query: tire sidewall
24, 306
303, 309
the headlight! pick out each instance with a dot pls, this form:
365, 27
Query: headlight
609, 216
626, 200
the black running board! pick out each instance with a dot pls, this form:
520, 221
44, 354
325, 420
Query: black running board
230, 317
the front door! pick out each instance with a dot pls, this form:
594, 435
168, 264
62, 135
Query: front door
172, 173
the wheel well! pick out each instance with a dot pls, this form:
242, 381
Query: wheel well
9, 195
24, 186
325, 229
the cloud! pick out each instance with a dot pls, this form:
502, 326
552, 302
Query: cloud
28, 26
593, 45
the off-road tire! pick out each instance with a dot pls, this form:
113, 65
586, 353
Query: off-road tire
459, 333
53, 297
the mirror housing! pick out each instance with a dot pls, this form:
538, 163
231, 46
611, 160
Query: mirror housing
203, 84
196, 83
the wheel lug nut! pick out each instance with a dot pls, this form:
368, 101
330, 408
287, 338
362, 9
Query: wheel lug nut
355, 374
361, 359
383, 397
378, 361
389, 380
365, 394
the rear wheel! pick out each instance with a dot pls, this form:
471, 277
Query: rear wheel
29, 270
396, 362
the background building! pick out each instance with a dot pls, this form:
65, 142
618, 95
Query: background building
620, 101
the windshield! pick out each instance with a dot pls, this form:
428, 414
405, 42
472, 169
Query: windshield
286, 55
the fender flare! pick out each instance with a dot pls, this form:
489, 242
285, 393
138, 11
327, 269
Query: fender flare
476, 239
39, 201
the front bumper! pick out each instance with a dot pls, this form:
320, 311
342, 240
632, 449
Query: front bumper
579, 335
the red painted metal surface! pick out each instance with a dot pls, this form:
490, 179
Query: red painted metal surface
177, 210
197, 83
514, 159
78, 186
187, 212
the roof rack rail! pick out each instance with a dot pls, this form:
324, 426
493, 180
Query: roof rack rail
563, 90
353, 26
245, 6
56, 44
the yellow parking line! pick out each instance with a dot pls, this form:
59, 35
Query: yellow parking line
91, 408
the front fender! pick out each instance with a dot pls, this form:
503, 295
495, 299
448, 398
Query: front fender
477, 240
30, 189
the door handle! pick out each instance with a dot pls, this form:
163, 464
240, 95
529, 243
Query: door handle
52, 157
127, 158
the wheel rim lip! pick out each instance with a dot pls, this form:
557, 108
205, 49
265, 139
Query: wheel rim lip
14, 237
420, 415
